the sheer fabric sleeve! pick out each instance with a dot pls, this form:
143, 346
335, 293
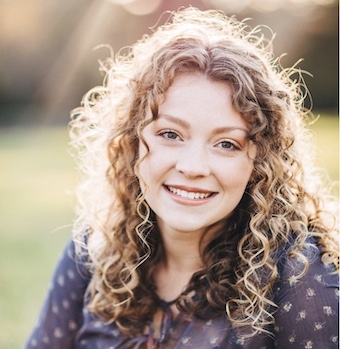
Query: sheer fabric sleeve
61, 315
307, 316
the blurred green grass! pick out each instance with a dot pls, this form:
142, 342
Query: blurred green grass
326, 137
37, 180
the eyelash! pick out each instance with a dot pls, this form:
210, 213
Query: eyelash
232, 148
165, 134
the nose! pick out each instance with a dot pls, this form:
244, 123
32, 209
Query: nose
193, 161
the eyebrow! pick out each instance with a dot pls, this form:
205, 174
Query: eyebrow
217, 130
175, 120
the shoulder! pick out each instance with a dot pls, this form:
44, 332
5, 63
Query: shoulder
306, 296
74, 262
304, 268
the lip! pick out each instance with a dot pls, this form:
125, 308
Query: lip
190, 189
189, 200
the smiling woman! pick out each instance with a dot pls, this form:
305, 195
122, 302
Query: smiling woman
197, 138
201, 222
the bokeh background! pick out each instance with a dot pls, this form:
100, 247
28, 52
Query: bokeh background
48, 62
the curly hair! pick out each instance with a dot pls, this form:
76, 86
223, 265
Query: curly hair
283, 198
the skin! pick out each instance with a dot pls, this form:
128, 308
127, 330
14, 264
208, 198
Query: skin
196, 171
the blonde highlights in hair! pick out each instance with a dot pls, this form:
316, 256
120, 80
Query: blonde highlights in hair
280, 201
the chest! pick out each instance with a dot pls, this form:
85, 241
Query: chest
174, 333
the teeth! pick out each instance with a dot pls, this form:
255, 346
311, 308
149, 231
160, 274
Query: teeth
188, 194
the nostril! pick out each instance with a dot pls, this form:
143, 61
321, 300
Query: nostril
193, 165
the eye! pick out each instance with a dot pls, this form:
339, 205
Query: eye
169, 134
227, 145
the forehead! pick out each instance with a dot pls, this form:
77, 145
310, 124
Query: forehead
192, 97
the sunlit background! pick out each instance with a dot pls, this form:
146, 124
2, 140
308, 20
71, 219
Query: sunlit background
48, 62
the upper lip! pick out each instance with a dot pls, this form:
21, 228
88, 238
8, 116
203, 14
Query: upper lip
190, 189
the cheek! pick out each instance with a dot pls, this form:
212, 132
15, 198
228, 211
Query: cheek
151, 167
142, 167
236, 174
158, 158
142, 150
247, 172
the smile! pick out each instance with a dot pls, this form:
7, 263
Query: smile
189, 194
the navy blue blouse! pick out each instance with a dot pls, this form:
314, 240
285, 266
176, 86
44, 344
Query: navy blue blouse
307, 316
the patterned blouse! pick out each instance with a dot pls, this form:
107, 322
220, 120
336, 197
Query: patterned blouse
307, 316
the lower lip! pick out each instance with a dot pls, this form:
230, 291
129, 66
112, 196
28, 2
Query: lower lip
187, 201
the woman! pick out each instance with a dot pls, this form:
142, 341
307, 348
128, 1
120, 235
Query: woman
200, 223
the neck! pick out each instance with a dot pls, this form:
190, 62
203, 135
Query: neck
181, 251
182, 258
180, 261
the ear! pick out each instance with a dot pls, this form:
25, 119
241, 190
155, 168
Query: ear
252, 150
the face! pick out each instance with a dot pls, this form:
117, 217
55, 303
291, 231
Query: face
199, 160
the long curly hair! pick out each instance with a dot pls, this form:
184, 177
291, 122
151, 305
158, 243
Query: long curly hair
283, 198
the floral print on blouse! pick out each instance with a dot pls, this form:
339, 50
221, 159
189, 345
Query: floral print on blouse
307, 315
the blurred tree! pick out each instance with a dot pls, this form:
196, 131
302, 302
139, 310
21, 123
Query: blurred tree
322, 59
47, 62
